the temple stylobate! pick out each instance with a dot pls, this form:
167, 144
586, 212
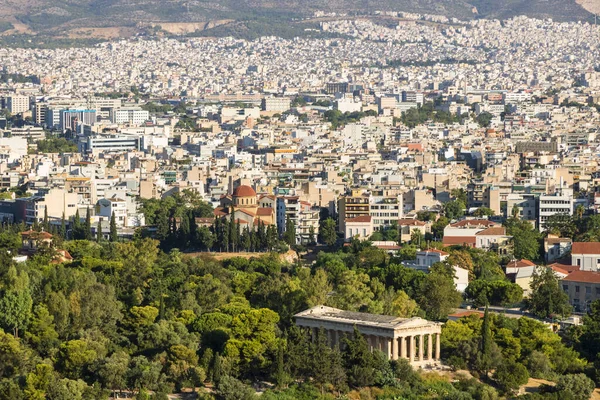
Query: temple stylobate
415, 339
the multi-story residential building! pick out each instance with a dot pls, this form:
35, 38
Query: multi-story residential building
109, 143
56, 203
33, 133
352, 206
276, 104
17, 104
129, 115
550, 205
75, 119
116, 206
480, 194
386, 209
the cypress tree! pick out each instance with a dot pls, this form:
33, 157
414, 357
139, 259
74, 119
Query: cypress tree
114, 236
76, 230
232, 231
63, 227
87, 227
217, 370
262, 236
162, 226
46, 223
486, 344
99, 236
289, 236
184, 232
193, 228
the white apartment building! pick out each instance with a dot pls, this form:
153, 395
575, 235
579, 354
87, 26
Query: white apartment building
131, 115
17, 104
276, 104
113, 205
550, 205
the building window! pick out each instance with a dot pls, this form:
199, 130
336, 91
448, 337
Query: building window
588, 290
576, 289
566, 288
597, 291
579, 262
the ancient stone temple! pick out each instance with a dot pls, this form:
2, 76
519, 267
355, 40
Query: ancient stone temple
415, 339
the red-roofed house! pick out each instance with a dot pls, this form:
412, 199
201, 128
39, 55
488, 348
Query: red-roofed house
583, 287
359, 227
463, 233
586, 255
406, 226
494, 237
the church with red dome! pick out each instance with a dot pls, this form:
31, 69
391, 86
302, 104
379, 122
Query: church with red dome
245, 205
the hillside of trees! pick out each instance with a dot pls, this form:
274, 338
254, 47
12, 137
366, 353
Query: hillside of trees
128, 316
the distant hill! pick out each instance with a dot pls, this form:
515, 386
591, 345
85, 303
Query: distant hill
62, 17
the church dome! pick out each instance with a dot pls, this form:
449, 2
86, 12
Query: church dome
244, 191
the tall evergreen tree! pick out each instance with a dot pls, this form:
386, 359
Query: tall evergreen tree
359, 361
76, 229
87, 227
114, 236
193, 228
63, 227
99, 235
162, 225
233, 231
184, 232
485, 359
262, 236
271, 237
289, 236
311, 235
46, 224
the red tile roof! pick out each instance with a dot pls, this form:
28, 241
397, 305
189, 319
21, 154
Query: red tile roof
585, 248
36, 234
583, 276
565, 267
493, 231
520, 264
458, 240
266, 211
443, 253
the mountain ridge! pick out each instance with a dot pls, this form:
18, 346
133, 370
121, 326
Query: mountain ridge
58, 17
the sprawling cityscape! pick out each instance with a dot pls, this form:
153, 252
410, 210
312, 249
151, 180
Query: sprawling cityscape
403, 206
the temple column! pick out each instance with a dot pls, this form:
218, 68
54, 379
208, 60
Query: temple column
411, 349
421, 345
372, 342
389, 348
329, 334
394, 348
429, 346
402, 346
437, 346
